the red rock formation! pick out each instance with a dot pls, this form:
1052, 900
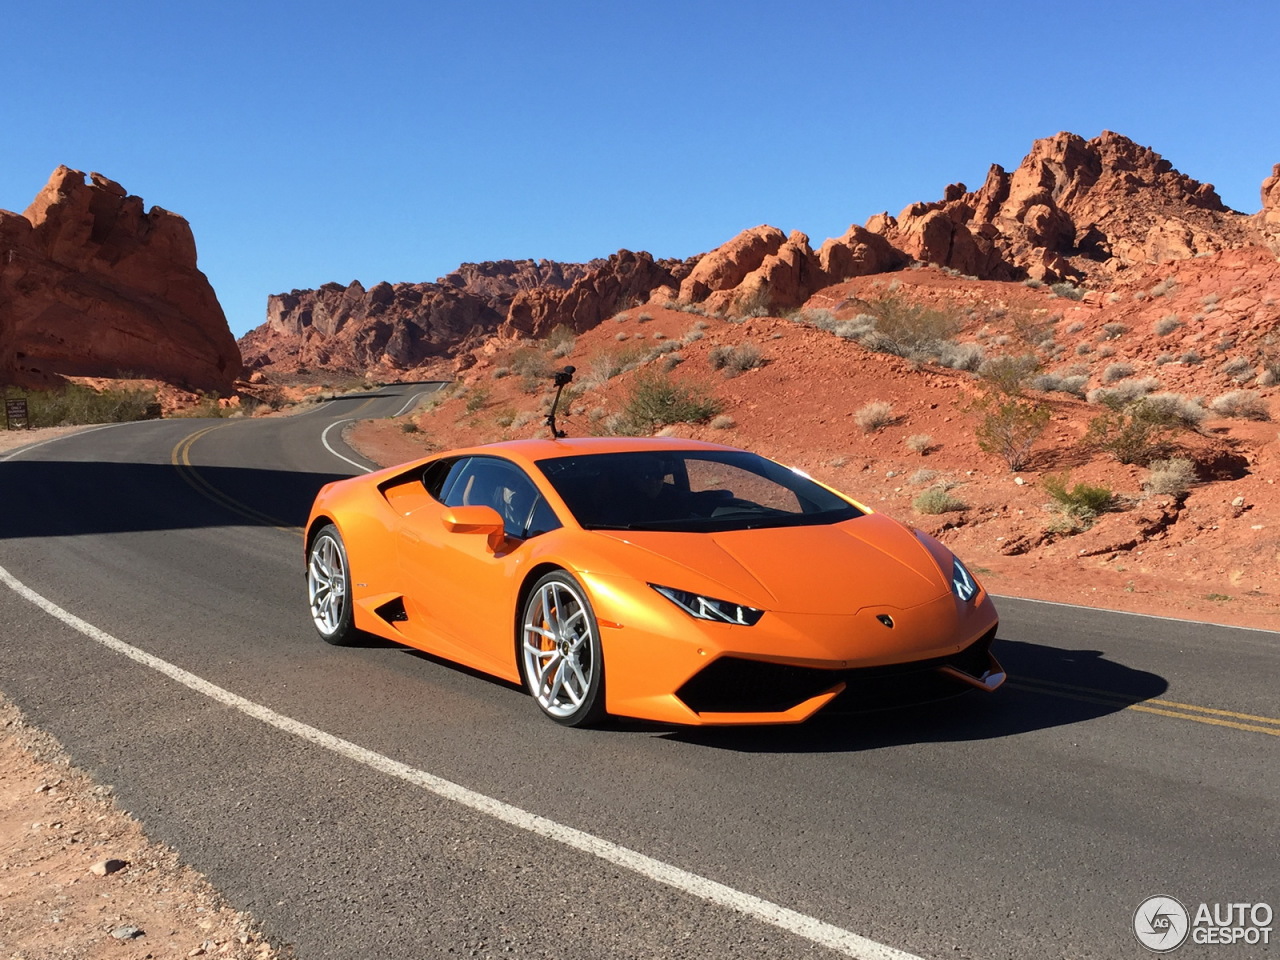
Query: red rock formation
1269, 218
1073, 208
761, 268
91, 285
624, 280
396, 327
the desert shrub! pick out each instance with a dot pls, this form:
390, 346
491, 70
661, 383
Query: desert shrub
1009, 427
1114, 330
1166, 325
655, 400
1126, 391
1068, 290
500, 372
936, 500
1007, 374
1172, 477
1034, 328
919, 443
1033, 283
529, 361
855, 329
1136, 432
735, 360
1176, 409
874, 416
961, 356
621, 336
723, 422
1116, 371
1238, 369
1082, 502
644, 317
754, 303
922, 476
819, 317
1241, 405
905, 328
718, 357
1165, 286
1210, 301
476, 399
1165, 358
671, 361
409, 426
76, 404
559, 335
1075, 326
1192, 357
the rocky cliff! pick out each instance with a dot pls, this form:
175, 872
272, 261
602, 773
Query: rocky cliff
1074, 209
92, 284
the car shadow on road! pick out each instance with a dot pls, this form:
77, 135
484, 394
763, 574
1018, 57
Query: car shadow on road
74, 497
1047, 687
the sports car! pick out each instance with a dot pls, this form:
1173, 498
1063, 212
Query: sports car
659, 578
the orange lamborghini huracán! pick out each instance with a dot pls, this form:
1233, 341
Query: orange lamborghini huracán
665, 579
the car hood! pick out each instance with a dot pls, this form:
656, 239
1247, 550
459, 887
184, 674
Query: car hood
830, 569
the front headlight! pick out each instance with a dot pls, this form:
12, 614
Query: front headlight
709, 608
962, 582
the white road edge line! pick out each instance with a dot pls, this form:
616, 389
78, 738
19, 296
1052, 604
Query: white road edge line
78, 433
412, 401
324, 438
810, 928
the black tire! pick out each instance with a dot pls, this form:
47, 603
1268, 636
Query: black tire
329, 588
561, 661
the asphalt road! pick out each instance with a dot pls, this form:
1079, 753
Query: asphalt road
1127, 757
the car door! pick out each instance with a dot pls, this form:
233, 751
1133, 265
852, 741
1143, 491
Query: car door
461, 586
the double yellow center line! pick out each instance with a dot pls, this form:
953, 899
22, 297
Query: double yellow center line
1248, 722
181, 459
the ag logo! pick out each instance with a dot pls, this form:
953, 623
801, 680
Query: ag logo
1161, 924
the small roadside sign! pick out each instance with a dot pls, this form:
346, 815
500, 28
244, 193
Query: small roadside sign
15, 413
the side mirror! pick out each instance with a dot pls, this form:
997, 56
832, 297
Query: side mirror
476, 519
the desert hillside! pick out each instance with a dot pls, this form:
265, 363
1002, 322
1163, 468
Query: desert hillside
1151, 403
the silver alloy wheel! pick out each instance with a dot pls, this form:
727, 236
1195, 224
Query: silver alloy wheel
559, 649
327, 584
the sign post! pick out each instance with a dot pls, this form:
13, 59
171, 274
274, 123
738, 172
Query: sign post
15, 413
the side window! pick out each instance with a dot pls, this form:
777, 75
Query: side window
491, 482
439, 477
544, 519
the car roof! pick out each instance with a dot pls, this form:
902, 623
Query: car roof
531, 451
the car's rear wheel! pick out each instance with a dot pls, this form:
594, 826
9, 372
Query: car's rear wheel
560, 655
329, 587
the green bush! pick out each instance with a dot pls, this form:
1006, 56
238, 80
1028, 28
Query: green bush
75, 404
936, 500
1008, 375
1010, 426
656, 401
1082, 502
1138, 432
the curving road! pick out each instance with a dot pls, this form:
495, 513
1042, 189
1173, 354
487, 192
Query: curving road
374, 802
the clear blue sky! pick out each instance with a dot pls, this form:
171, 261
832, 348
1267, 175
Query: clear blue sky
387, 140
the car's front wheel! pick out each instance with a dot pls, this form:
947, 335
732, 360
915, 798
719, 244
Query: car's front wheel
560, 655
329, 587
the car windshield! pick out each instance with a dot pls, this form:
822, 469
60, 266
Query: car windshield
692, 491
